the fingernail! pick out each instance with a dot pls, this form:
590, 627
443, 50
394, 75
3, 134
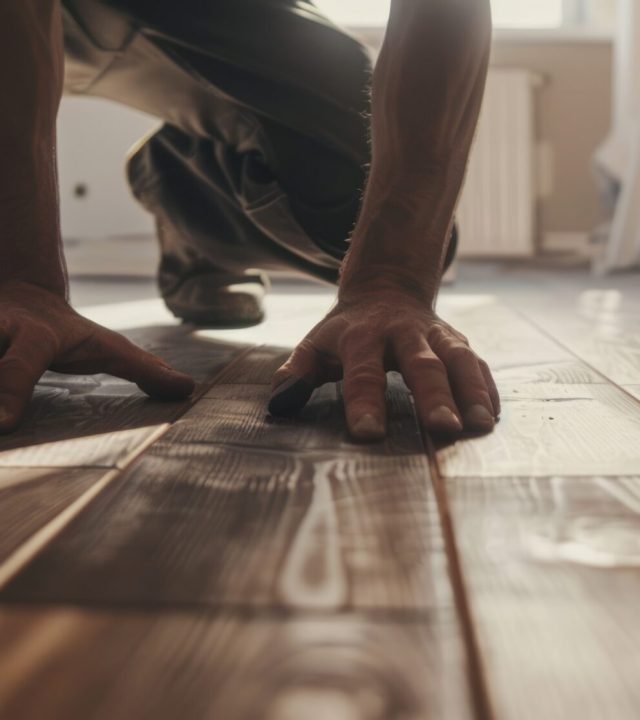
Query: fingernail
291, 396
368, 427
479, 417
284, 385
443, 418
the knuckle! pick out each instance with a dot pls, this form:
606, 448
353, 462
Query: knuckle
352, 337
437, 335
404, 330
364, 379
302, 351
306, 353
306, 345
458, 352
425, 364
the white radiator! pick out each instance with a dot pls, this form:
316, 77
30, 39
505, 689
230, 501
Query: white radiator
497, 210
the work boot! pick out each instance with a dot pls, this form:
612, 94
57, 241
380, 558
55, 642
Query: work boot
220, 300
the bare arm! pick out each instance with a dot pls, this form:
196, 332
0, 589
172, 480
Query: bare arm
38, 328
31, 67
427, 91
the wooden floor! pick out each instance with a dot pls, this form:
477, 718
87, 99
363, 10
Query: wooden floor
202, 561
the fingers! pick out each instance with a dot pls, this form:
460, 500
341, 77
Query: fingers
426, 376
364, 387
492, 388
453, 389
363, 390
293, 384
468, 385
122, 358
21, 366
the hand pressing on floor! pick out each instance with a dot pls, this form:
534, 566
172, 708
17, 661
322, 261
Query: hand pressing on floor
385, 329
39, 331
427, 91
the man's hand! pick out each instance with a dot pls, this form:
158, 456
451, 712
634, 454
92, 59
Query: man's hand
427, 90
383, 330
40, 331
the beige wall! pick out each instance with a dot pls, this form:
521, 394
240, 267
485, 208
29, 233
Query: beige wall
574, 109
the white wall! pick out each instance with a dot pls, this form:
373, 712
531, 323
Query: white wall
94, 137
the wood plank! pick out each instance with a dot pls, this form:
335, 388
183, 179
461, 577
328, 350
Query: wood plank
234, 411
500, 335
97, 421
70, 665
256, 368
521, 382
241, 509
192, 525
552, 569
559, 417
84, 430
30, 498
594, 430
596, 329
237, 415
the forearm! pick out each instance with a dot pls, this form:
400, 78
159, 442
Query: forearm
31, 68
427, 91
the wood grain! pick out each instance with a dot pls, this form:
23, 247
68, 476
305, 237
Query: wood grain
97, 421
30, 498
552, 570
62, 665
192, 525
541, 381
501, 335
234, 411
580, 430
234, 508
246, 567
256, 368
595, 329
92, 429
237, 415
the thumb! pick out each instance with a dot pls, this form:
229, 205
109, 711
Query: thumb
293, 384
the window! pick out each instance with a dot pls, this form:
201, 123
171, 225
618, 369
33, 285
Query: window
533, 14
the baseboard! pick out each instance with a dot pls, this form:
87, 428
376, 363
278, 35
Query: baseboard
567, 243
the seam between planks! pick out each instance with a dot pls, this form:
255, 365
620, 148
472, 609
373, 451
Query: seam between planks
480, 696
32, 547
608, 381
207, 385
41, 538
477, 676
